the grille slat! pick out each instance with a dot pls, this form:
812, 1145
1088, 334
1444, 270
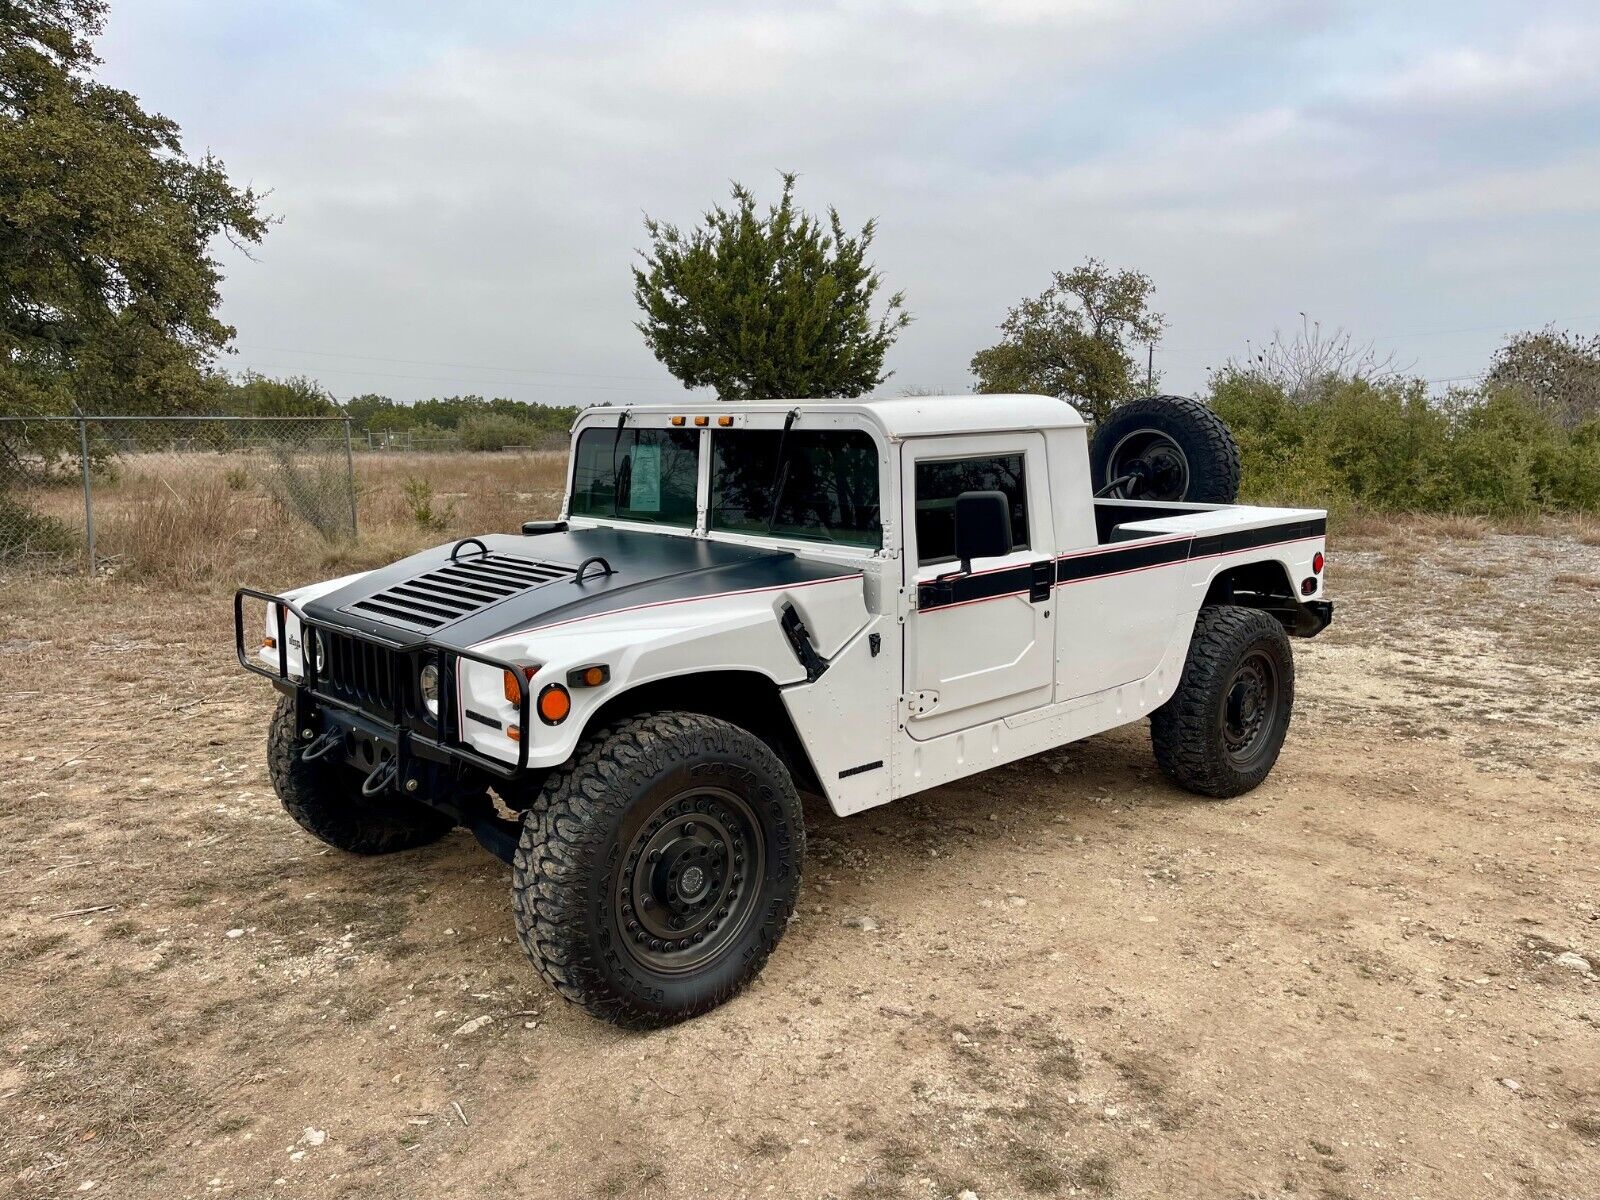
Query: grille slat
454, 590
357, 671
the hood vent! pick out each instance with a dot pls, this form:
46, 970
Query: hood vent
457, 589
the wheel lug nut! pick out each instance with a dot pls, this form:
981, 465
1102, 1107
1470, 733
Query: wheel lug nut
688, 828
699, 937
646, 902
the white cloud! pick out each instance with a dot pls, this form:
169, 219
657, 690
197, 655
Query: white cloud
484, 206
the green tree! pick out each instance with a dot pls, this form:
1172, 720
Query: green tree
760, 306
1075, 339
108, 291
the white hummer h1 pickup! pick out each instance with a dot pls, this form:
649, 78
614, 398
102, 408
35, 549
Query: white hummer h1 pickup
742, 602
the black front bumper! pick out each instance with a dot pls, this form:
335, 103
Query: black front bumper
381, 722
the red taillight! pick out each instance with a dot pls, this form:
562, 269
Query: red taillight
1308, 585
1317, 562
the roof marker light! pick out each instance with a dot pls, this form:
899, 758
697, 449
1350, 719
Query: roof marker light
702, 422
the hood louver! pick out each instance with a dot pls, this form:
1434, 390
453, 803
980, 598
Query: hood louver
457, 589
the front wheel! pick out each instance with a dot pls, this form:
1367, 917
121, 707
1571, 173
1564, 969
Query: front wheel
657, 870
1220, 733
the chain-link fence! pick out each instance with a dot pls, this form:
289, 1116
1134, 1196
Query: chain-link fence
88, 489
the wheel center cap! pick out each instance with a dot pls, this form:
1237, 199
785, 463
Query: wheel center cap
691, 882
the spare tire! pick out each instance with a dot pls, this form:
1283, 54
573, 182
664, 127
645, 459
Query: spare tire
1166, 448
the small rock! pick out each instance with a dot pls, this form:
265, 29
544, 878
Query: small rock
1573, 962
865, 924
314, 1137
1512, 1084
1017, 901
966, 1194
473, 1025
236, 933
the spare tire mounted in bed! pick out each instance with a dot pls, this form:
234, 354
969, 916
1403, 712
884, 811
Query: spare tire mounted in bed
1165, 448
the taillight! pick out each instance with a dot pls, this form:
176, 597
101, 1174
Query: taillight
1317, 562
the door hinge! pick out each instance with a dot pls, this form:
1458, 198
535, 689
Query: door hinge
1043, 581
920, 704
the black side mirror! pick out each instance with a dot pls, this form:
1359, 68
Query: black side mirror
983, 526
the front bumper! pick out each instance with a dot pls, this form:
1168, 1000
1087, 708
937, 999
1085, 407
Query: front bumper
400, 734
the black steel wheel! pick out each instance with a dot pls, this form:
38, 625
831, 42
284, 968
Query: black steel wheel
1221, 731
1250, 709
1151, 465
658, 868
1167, 449
685, 891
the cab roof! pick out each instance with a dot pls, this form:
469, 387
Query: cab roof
898, 416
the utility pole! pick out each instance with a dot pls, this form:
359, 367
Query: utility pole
1150, 367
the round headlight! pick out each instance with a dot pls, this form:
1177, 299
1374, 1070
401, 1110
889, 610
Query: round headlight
428, 684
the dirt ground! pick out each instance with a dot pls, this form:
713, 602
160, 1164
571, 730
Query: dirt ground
1063, 977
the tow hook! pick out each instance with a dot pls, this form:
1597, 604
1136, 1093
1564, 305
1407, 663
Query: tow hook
330, 741
383, 775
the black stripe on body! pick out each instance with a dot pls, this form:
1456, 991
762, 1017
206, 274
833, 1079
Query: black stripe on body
1113, 560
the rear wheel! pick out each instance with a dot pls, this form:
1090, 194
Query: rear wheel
1165, 448
325, 799
658, 869
1221, 732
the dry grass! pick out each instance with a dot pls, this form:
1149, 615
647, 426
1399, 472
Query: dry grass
213, 520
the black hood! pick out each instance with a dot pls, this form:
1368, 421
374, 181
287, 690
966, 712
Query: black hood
524, 582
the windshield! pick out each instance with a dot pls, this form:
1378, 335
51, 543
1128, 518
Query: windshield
825, 486
637, 475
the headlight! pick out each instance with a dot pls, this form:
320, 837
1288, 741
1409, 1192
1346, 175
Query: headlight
319, 656
428, 684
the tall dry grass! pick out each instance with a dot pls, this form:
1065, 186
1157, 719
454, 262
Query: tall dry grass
207, 521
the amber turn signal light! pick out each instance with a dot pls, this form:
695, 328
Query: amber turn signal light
513, 688
554, 704
591, 676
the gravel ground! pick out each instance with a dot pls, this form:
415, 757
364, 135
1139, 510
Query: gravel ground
1374, 976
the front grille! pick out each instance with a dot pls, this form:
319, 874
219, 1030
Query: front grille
362, 673
458, 589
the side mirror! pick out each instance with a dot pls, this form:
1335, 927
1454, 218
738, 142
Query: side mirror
983, 526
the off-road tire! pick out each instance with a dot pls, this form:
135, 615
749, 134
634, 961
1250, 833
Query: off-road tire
581, 845
1191, 731
325, 799
1211, 455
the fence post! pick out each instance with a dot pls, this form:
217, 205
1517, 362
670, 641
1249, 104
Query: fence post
88, 491
350, 475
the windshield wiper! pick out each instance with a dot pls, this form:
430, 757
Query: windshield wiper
780, 474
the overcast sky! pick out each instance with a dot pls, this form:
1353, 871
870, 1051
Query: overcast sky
460, 185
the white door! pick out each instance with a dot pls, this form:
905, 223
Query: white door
979, 645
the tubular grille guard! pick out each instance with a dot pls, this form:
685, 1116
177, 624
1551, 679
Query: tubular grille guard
445, 659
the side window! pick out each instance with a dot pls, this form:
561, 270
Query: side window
637, 475
940, 481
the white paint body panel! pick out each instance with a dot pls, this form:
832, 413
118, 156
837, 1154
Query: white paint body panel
1014, 675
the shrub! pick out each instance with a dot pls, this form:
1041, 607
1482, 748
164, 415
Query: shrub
419, 499
25, 534
1386, 447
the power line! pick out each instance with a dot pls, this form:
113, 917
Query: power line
1503, 327
459, 381
427, 362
